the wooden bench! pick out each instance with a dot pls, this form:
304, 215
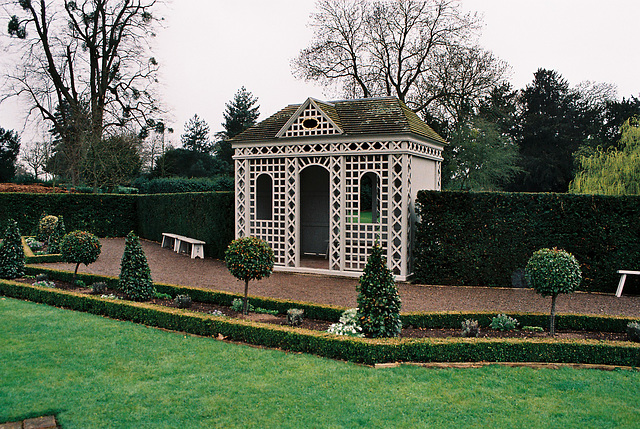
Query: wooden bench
623, 278
180, 243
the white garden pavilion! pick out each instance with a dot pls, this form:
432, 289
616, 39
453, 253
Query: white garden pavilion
321, 182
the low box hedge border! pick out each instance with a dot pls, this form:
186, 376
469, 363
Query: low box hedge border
358, 350
31, 258
331, 313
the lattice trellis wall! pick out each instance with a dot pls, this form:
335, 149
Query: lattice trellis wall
349, 239
320, 125
360, 237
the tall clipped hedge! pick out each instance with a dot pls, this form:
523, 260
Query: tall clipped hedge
207, 216
104, 215
482, 238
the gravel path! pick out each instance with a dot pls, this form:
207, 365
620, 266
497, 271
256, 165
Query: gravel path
169, 267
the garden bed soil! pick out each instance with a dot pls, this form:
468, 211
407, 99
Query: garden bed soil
321, 325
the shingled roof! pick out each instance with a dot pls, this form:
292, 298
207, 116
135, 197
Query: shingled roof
364, 116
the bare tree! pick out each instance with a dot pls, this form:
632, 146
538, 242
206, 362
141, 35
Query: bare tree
37, 155
464, 76
398, 48
84, 62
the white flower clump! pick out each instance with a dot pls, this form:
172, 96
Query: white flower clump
348, 325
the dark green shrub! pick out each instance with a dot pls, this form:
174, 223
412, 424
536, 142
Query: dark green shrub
80, 247
295, 316
552, 272
249, 258
378, 300
633, 331
173, 185
207, 216
99, 288
182, 301
135, 275
42, 277
238, 305
470, 328
56, 236
502, 322
11, 253
481, 238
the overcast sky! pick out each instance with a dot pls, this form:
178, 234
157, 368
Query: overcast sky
210, 48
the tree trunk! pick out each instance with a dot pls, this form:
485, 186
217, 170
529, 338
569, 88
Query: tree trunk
552, 320
246, 300
75, 273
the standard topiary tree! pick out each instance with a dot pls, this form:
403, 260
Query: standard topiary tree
249, 258
56, 236
135, 276
80, 247
552, 272
11, 253
46, 226
378, 300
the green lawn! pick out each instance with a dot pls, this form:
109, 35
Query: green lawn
94, 372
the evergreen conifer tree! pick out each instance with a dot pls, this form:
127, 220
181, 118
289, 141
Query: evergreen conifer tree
11, 253
378, 300
196, 135
239, 114
135, 276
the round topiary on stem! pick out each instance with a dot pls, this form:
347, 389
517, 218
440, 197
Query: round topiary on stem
249, 258
378, 300
80, 247
552, 272
11, 253
135, 276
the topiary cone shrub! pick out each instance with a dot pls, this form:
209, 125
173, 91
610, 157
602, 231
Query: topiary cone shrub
135, 276
552, 272
378, 300
11, 253
249, 258
80, 247
56, 236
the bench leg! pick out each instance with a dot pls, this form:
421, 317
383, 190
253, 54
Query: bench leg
197, 251
176, 245
623, 277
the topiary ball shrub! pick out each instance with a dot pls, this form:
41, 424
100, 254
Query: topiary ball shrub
378, 300
135, 276
80, 247
249, 258
552, 272
11, 253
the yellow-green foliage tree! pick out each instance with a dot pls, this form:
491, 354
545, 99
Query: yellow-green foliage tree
612, 172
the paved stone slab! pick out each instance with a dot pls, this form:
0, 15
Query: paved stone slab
46, 422
11, 425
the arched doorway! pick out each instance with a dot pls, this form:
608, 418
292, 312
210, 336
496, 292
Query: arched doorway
314, 216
